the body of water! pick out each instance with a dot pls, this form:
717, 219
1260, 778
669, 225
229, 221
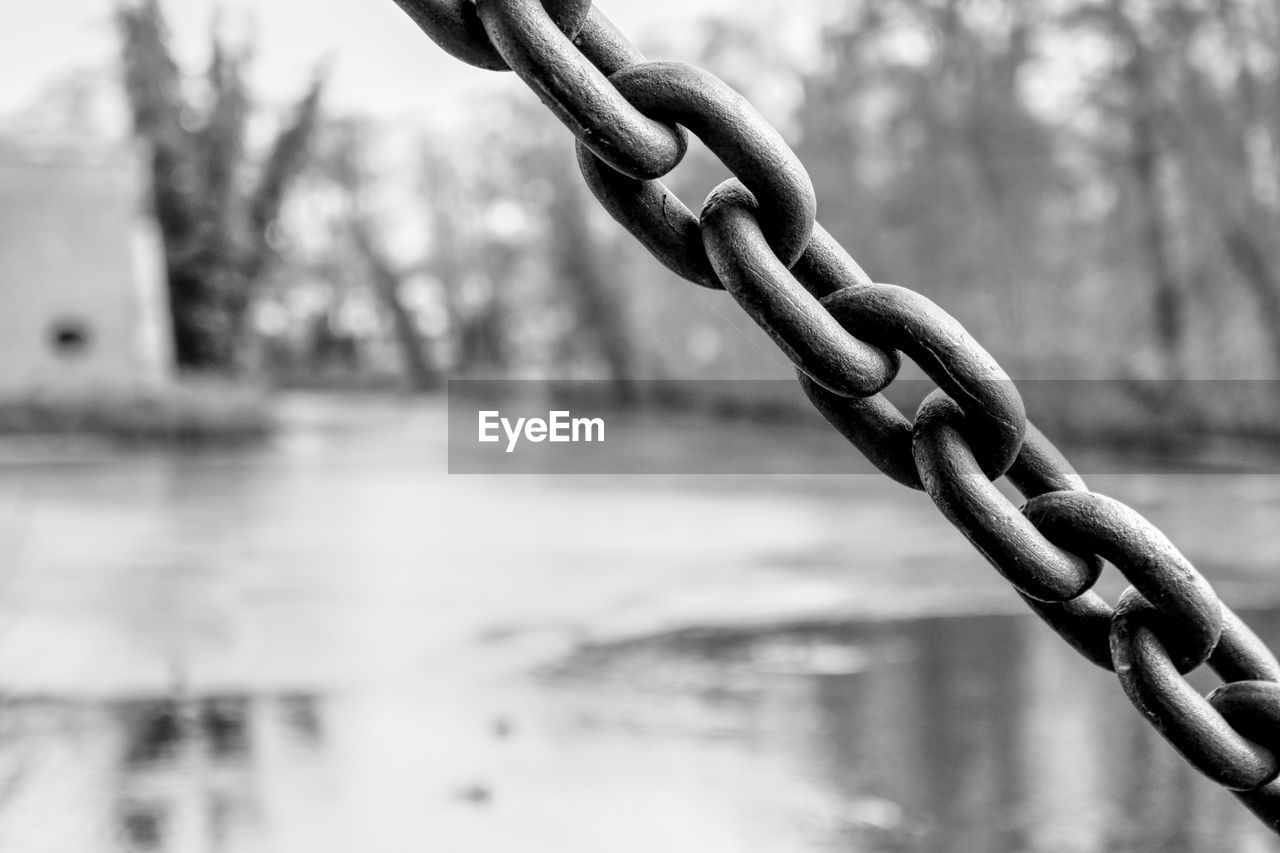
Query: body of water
328, 643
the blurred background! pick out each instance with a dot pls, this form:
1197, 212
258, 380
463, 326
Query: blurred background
243, 606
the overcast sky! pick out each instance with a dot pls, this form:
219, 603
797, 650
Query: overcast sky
383, 63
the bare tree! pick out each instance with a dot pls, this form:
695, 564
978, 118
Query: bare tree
215, 210
388, 282
1202, 109
1146, 159
601, 328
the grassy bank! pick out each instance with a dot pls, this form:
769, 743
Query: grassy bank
187, 412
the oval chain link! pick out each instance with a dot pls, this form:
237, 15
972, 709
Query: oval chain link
1153, 683
894, 318
1089, 523
727, 123
455, 26
782, 306
994, 526
578, 93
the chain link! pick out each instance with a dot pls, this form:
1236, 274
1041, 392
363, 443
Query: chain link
802, 328
586, 102
994, 526
455, 25
1187, 720
757, 237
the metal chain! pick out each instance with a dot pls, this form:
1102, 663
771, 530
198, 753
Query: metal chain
756, 237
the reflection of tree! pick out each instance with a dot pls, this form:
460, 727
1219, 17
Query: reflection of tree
195, 771
156, 729
994, 736
937, 735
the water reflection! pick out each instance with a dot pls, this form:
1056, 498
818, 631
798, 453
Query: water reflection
151, 775
941, 734
192, 767
327, 645
949, 734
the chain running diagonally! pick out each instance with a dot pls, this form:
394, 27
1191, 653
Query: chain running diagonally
756, 237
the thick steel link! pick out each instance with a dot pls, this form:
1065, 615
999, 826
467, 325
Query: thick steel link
1041, 468
660, 221
826, 267
653, 215
781, 305
883, 435
1187, 720
629, 117
873, 425
994, 526
455, 26
1240, 654
604, 46
728, 124
892, 317
1264, 803
1089, 523
577, 92
1252, 708
1085, 623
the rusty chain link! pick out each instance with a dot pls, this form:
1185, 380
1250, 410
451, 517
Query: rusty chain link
757, 238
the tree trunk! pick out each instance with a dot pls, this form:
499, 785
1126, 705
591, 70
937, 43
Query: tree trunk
1251, 262
414, 348
1168, 293
215, 237
1169, 298
601, 312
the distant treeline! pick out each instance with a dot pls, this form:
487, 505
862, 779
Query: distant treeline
1092, 187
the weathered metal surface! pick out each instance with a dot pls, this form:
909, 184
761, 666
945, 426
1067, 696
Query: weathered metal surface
1089, 523
1084, 622
455, 26
734, 130
994, 526
1252, 708
744, 141
893, 317
604, 46
1185, 718
781, 305
578, 93
826, 267
655, 216
873, 425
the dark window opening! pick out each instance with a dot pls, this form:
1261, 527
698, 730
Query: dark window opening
70, 337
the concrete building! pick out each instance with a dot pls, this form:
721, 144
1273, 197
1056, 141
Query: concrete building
82, 297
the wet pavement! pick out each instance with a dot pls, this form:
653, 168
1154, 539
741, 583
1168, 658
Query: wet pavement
330, 644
